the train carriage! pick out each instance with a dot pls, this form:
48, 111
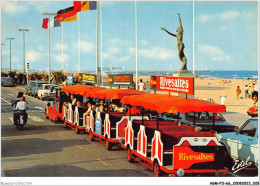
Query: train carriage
173, 147
107, 125
55, 112
72, 116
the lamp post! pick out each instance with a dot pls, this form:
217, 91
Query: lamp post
2, 57
49, 14
10, 52
23, 30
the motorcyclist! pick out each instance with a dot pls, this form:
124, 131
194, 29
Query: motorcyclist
21, 108
14, 103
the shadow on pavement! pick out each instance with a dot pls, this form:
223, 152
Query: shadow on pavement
70, 171
9, 130
24, 147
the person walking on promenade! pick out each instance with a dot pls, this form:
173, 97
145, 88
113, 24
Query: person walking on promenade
238, 91
246, 91
141, 85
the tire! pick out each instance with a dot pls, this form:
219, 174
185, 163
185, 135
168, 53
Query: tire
65, 124
108, 144
77, 130
156, 169
42, 98
20, 126
129, 156
35, 95
91, 136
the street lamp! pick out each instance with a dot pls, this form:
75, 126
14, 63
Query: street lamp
49, 14
23, 30
10, 52
2, 57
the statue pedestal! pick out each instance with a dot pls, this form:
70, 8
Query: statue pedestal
184, 73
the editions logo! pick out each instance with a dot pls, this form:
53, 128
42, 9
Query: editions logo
241, 165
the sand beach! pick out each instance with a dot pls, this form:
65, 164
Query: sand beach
236, 109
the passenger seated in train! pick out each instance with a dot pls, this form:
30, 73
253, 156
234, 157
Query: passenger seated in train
89, 107
119, 108
100, 106
73, 100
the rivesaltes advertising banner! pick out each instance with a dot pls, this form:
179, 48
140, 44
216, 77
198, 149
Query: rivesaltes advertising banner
183, 85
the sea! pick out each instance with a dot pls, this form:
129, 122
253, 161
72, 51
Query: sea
211, 74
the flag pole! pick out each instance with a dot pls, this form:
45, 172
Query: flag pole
49, 72
79, 42
101, 45
136, 76
193, 64
62, 46
97, 47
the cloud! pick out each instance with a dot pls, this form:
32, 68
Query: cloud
59, 46
115, 41
231, 14
205, 17
86, 46
58, 58
124, 58
13, 7
33, 56
224, 16
131, 50
144, 42
114, 50
157, 53
214, 53
105, 55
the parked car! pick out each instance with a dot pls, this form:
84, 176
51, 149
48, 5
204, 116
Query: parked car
33, 86
243, 143
7, 81
203, 120
47, 91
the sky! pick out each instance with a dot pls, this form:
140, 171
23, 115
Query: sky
226, 35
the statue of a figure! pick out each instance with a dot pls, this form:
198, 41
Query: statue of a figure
180, 44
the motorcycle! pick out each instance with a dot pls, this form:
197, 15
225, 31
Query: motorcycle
21, 120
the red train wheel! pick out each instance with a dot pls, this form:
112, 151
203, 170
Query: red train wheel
65, 124
108, 144
77, 130
156, 169
91, 136
129, 156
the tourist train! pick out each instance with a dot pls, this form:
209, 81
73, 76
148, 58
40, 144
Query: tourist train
170, 147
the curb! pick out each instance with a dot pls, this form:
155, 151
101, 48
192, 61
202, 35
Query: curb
2, 173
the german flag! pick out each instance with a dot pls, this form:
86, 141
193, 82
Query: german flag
80, 6
66, 15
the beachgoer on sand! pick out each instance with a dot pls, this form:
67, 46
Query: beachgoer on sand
246, 91
253, 111
238, 91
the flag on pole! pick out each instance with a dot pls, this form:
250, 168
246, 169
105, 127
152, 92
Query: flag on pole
80, 6
53, 23
45, 23
66, 15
